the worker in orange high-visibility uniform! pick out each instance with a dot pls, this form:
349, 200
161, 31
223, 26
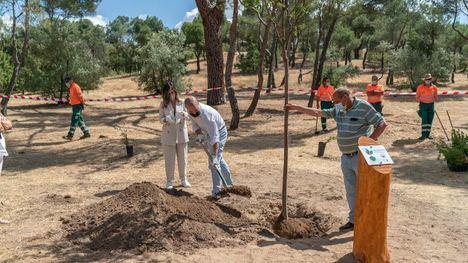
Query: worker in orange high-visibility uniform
78, 105
375, 94
426, 95
324, 99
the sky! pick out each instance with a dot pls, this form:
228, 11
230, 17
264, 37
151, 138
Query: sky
172, 12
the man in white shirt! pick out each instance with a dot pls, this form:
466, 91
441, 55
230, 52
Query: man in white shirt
206, 120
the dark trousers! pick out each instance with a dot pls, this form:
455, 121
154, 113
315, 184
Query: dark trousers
426, 112
77, 120
325, 105
378, 107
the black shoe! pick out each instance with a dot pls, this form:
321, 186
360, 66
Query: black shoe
429, 137
325, 130
86, 135
422, 138
68, 137
347, 227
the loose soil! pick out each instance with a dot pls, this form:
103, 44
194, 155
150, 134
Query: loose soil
241, 190
145, 217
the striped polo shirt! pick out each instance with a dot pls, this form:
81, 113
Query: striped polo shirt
354, 123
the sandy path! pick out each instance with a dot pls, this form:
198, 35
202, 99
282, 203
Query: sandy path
428, 212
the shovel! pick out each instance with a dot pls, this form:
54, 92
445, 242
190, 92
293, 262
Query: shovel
218, 170
233, 189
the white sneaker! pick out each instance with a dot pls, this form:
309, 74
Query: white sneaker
4, 222
169, 186
186, 184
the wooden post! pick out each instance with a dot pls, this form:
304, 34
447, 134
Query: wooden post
371, 211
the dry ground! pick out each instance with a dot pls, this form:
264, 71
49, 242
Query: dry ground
428, 216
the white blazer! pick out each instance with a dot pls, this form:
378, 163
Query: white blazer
173, 133
3, 151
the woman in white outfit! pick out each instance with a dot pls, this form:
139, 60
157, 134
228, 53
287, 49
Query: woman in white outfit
174, 138
3, 151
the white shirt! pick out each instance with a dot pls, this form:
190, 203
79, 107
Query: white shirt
209, 121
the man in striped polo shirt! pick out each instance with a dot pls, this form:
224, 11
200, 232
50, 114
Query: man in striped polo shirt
354, 118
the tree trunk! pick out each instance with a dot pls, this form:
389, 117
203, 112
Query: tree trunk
364, 59
326, 44
271, 72
212, 16
198, 62
313, 86
261, 62
229, 64
18, 60
382, 61
234, 109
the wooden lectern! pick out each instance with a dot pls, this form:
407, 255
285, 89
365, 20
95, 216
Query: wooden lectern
371, 210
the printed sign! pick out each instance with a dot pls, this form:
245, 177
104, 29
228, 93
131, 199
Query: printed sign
376, 155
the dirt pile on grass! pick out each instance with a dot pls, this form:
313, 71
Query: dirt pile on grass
145, 217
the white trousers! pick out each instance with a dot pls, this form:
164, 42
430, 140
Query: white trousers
1, 164
180, 151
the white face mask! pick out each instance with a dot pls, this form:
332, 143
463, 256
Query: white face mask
428, 82
68, 84
374, 82
339, 107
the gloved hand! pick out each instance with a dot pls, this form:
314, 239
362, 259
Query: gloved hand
182, 115
214, 161
169, 120
201, 138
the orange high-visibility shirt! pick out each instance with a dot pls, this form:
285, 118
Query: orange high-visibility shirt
325, 93
426, 94
76, 96
374, 98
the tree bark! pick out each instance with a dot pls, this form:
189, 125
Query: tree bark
271, 72
313, 86
326, 44
18, 59
198, 62
212, 15
261, 62
229, 65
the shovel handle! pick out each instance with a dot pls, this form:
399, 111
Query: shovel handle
211, 160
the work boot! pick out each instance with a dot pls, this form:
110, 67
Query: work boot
169, 186
86, 135
186, 184
347, 227
216, 196
68, 137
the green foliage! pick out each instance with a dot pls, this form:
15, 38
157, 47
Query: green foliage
163, 59
413, 64
455, 153
248, 62
76, 49
6, 68
338, 75
194, 36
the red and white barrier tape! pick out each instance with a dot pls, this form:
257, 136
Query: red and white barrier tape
195, 92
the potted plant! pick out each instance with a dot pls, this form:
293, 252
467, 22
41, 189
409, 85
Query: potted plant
322, 145
126, 142
455, 153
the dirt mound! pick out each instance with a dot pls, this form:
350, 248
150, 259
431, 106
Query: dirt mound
241, 190
145, 217
303, 222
